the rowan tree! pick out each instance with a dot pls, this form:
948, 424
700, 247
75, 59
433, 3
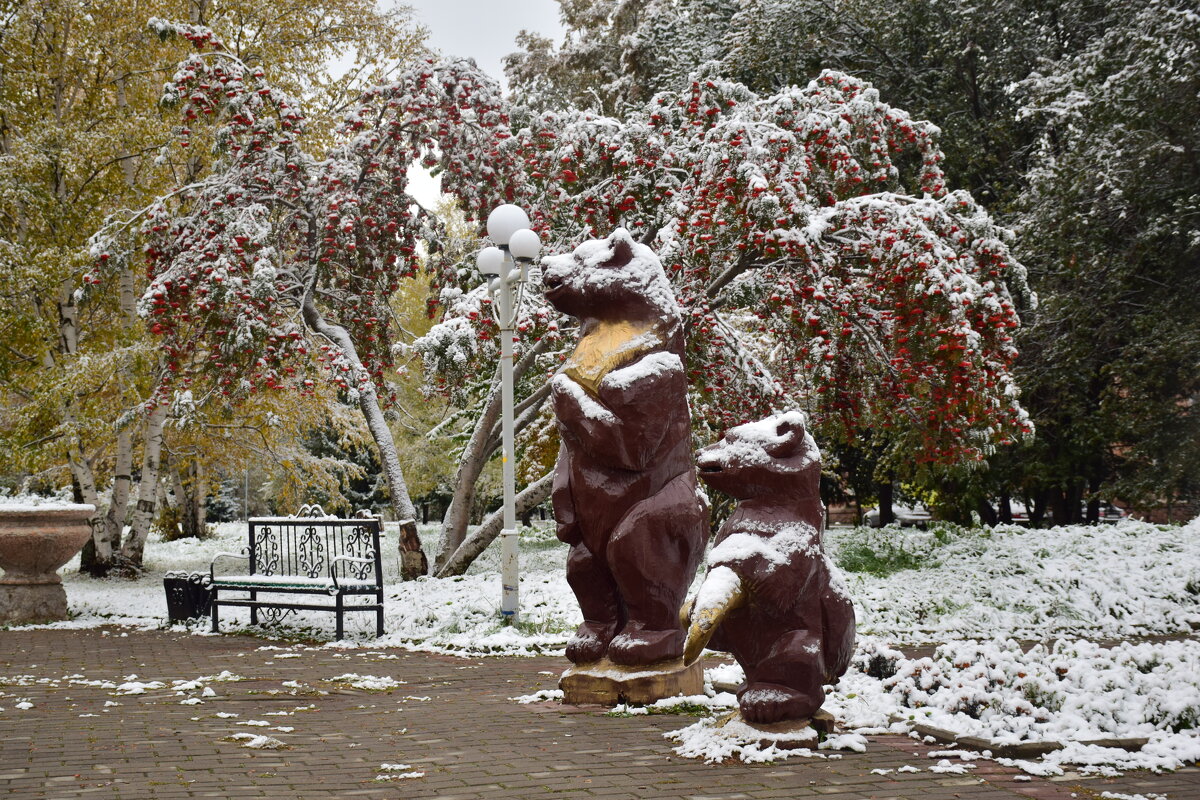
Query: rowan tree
1045, 109
809, 271
276, 258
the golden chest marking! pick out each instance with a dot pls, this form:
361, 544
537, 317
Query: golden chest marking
609, 346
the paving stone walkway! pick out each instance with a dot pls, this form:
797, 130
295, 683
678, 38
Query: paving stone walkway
93, 714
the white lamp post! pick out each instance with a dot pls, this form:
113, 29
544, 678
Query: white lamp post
508, 227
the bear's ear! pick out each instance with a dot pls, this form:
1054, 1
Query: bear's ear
789, 432
622, 254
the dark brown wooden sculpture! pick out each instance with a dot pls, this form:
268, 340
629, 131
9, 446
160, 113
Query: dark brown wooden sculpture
771, 597
625, 492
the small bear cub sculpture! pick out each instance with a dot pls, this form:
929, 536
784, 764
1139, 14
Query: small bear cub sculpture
771, 597
625, 491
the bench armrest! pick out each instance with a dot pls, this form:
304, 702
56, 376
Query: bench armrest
212, 567
333, 562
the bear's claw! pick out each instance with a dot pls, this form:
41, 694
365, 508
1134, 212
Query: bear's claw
590, 642
636, 646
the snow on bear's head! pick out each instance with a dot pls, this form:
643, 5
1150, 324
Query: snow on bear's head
776, 455
613, 278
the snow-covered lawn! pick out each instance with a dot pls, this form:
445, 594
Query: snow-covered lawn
974, 592
1106, 582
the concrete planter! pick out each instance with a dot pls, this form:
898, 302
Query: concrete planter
34, 543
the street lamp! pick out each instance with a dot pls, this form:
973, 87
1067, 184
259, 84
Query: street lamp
507, 267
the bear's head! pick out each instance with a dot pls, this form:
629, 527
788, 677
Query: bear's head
773, 456
613, 278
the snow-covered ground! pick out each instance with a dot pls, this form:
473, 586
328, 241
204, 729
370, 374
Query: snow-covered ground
975, 592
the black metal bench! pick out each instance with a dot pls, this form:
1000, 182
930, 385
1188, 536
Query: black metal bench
309, 554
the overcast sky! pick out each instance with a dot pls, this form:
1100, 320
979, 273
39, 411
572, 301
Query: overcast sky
485, 30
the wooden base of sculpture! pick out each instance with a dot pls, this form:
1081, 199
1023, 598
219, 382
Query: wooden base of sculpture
605, 683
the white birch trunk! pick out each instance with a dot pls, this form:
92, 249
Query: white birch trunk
68, 319
143, 514
108, 536
81, 470
200, 508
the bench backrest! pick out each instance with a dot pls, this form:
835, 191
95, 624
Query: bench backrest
305, 547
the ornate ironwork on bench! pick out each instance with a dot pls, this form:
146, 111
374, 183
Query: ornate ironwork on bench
308, 554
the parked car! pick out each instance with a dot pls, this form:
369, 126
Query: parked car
908, 516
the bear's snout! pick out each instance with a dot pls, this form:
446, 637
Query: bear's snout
707, 460
554, 288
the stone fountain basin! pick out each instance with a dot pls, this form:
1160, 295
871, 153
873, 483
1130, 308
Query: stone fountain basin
36, 541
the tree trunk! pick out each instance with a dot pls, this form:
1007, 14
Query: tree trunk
68, 319
484, 441
470, 465
413, 563
368, 403
987, 514
1005, 509
1059, 507
1093, 503
191, 492
134, 547
529, 497
83, 482
108, 537
1038, 513
1074, 500
201, 502
886, 513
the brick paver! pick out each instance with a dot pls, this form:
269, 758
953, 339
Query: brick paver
451, 719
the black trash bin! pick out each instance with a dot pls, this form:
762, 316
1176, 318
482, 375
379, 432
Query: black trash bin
189, 596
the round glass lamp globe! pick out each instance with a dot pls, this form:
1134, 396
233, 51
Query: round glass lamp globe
524, 244
504, 221
490, 260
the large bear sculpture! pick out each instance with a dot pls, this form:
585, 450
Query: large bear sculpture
625, 493
771, 597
